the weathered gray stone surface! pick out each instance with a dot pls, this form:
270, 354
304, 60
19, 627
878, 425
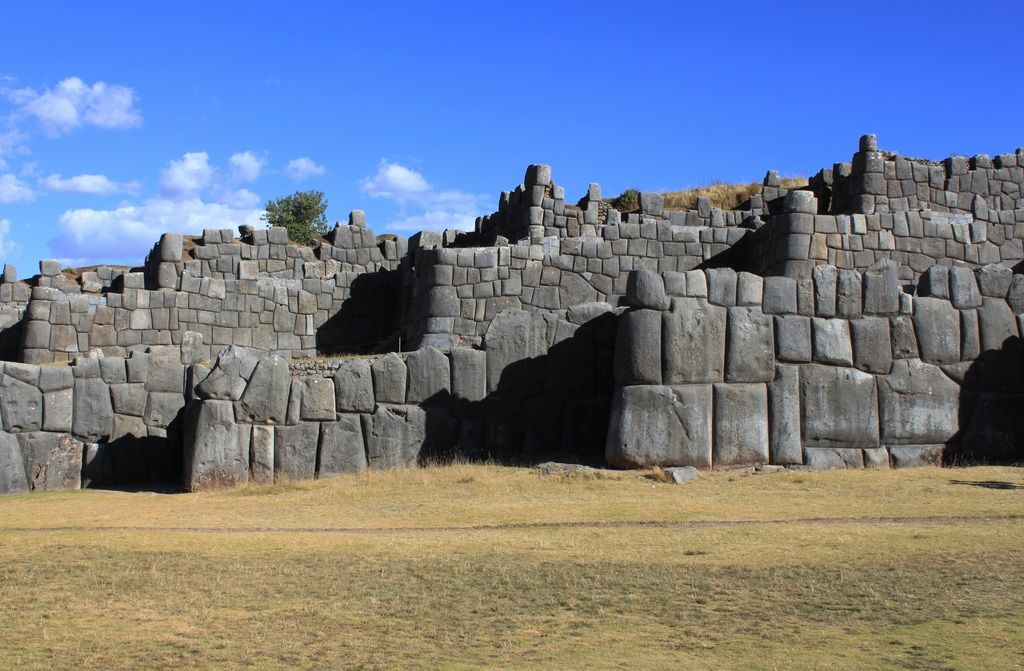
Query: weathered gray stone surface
227, 380
353, 386
469, 374
265, 400
693, 342
750, 347
912, 456
832, 342
21, 405
394, 436
94, 414
740, 424
784, 414
638, 348
793, 338
318, 399
937, 324
833, 458
872, 346
839, 407
513, 336
342, 448
53, 461
261, 454
646, 289
429, 376
389, 379
295, 449
12, 466
657, 425
918, 404
214, 455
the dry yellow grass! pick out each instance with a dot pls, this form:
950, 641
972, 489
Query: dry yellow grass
723, 195
469, 567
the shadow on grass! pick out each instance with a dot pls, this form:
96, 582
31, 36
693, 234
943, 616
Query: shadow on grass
988, 484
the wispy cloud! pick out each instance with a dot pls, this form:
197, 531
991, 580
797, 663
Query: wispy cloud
72, 104
187, 176
421, 205
246, 166
13, 190
7, 246
194, 194
87, 184
303, 168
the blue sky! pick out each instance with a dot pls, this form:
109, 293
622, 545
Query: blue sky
119, 120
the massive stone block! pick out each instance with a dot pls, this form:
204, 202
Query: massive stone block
918, 404
265, 399
832, 341
94, 414
429, 376
513, 336
839, 407
214, 455
784, 414
12, 466
638, 348
342, 448
52, 460
353, 386
872, 346
318, 399
646, 289
21, 405
664, 426
261, 454
793, 338
389, 379
469, 374
937, 324
295, 450
226, 382
741, 425
750, 349
394, 435
693, 342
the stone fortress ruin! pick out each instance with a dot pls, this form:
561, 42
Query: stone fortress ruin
870, 319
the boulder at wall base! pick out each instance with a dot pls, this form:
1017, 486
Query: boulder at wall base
741, 425
265, 400
660, 426
52, 460
833, 458
395, 435
12, 466
214, 455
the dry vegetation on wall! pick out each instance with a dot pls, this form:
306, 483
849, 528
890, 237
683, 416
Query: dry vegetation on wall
468, 567
722, 195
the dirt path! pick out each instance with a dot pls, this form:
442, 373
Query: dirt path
619, 524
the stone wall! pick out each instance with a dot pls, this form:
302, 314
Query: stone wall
871, 318
719, 369
539, 387
97, 422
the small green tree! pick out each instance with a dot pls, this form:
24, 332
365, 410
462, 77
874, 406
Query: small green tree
302, 213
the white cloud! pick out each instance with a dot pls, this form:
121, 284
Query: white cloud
394, 181
302, 168
127, 232
7, 246
422, 208
13, 190
12, 142
246, 166
187, 177
241, 199
73, 104
88, 184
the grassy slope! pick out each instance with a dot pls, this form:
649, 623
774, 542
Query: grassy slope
406, 569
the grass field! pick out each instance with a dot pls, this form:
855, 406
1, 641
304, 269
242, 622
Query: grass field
468, 567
